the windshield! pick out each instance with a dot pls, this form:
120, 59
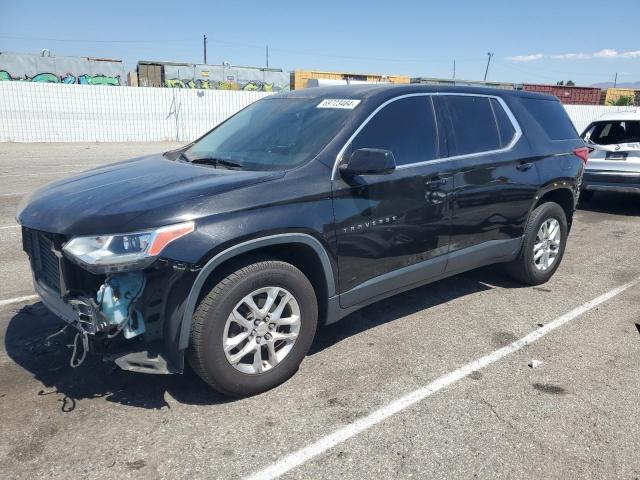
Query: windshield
613, 132
271, 134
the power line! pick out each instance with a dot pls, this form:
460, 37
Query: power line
82, 40
422, 60
235, 44
549, 70
546, 75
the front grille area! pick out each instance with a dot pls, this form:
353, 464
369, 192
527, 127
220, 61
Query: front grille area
44, 262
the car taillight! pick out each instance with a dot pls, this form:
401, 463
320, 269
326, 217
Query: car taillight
582, 153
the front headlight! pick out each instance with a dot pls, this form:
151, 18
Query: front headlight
124, 251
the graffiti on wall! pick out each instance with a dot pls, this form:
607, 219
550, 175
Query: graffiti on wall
49, 69
254, 86
67, 78
223, 77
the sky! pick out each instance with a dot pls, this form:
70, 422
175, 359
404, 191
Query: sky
541, 41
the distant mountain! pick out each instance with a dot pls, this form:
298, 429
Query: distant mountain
619, 85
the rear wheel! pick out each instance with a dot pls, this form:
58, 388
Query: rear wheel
543, 247
254, 328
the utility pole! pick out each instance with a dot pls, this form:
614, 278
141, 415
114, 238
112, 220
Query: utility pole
454, 70
267, 56
489, 55
615, 80
204, 41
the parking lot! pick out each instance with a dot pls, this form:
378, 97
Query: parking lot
574, 416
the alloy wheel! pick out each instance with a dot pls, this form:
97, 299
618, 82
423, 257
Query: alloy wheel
261, 330
547, 245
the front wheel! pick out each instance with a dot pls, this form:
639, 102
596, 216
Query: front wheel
543, 246
253, 329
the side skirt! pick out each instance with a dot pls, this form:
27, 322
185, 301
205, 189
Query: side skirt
423, 273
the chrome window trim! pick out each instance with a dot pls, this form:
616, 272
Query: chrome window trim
512, 118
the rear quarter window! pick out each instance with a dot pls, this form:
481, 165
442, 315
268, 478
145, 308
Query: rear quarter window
552, 117
505, 127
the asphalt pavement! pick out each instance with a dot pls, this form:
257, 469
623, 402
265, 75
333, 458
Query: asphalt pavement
574, 416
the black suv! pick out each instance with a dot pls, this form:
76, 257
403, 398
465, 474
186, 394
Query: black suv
298, 210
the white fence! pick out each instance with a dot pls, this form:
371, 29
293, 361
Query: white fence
39, 112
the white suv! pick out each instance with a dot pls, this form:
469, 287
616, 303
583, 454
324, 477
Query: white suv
614, 163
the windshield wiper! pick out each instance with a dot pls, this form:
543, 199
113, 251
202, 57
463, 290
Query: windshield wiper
216, 162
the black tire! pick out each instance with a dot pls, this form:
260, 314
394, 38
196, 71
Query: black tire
206, 354
586, 195
523, 268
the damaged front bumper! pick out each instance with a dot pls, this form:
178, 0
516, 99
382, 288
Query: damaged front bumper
128, 318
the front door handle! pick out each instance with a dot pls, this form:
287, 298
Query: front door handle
524, 166
436, 183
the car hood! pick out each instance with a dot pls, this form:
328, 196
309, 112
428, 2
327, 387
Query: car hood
145, 192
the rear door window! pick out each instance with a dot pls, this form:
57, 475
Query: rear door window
473, 124
552, 117
407, 127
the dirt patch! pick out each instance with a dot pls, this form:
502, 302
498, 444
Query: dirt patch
136, 464
549, 388
503, 338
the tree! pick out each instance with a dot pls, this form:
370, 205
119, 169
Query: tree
570, 83
622, 101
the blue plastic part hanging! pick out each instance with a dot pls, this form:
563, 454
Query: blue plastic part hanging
116, 298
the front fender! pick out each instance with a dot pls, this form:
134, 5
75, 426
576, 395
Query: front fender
284, 238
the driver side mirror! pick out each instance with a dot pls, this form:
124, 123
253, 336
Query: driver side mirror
369, 161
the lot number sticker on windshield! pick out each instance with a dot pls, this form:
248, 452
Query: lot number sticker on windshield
345, 103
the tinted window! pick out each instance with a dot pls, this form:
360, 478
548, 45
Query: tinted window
473, 124
407, 127
614, 132
552, 117
505, 127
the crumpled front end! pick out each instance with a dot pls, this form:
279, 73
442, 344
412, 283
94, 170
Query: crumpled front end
123, 315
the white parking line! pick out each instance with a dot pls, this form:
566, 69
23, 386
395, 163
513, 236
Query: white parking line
10, 301
12, 194
38, 174
9, 226
305, 454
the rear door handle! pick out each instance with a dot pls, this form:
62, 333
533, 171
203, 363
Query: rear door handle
524, 166
436, 182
